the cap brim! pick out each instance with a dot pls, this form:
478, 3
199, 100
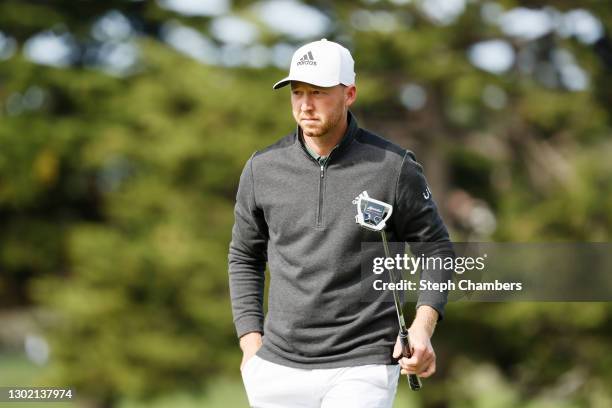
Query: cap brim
286, 81
281, 83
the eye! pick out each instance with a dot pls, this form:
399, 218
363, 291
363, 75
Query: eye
316, 92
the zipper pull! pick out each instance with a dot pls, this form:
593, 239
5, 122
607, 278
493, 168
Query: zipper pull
322, 170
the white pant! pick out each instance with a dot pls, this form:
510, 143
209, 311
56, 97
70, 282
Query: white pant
270, 385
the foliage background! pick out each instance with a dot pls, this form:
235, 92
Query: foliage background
117, 185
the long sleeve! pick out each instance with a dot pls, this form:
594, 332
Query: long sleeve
417, 222
247, 257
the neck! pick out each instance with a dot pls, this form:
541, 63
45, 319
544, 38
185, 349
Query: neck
324, 144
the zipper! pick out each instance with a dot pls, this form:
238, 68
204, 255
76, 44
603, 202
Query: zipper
319, 221
320, 209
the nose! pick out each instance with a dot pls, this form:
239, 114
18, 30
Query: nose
306, 104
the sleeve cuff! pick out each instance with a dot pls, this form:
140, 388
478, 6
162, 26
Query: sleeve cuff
248, 324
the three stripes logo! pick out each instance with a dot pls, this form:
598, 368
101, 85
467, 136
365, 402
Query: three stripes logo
307, 59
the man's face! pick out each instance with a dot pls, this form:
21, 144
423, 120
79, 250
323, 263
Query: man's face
320, 110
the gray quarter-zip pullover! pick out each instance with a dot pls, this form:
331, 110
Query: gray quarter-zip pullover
297, 216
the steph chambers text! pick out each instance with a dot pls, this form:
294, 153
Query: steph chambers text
464, 284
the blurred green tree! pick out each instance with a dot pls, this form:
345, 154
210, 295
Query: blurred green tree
116, 192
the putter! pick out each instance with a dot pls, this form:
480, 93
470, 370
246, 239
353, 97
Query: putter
372, 214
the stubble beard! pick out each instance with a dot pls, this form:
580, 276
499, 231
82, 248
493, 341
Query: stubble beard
324, 127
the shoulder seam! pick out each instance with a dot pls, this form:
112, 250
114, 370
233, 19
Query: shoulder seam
391, 147
399, 175
253, 177
277, 145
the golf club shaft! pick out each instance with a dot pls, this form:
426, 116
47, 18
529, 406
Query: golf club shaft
413, 380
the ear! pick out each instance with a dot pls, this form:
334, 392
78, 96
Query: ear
350, 94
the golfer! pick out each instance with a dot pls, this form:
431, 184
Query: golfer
319, 344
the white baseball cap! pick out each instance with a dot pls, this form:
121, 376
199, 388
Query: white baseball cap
322, 63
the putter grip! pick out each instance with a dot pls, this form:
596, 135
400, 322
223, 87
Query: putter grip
413, 380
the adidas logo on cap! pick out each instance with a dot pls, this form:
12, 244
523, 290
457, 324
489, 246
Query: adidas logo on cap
307, 59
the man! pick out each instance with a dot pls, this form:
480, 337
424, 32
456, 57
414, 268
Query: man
321, 345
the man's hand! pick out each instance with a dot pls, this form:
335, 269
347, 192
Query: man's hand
249, 343
423, 360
